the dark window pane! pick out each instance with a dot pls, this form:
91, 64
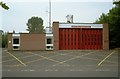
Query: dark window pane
49, 41
48, 47
15, 47
16, 41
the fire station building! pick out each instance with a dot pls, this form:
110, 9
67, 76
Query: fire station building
63, 36
80, 36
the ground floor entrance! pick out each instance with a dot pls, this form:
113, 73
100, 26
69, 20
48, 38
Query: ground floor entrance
80, 38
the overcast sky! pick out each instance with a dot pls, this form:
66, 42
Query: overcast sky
21, 10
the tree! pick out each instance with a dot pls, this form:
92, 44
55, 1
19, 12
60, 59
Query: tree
3, 5
102, 19
113, 19
35, 25
1, 33
3, 39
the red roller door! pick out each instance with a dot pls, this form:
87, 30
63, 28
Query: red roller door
80, 38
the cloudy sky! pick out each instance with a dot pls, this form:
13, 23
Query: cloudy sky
21, 10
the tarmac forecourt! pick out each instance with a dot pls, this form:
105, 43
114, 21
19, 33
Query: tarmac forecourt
72, 63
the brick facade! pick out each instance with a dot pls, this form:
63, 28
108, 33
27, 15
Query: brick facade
29, 41
56, 35
32, 41
10, 41
105, 36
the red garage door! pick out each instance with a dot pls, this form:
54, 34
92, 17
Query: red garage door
80, 38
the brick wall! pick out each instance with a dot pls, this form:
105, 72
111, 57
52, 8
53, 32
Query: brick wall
105, 36
9, 41
56, 35
32, 42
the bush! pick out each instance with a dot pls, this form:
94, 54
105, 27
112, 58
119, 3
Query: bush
4, 40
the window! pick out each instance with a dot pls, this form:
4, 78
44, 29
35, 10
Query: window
16, 47
48, 47
15, 40
49, 41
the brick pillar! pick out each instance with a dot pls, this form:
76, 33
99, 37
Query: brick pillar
105, 36
10, 41
55, 28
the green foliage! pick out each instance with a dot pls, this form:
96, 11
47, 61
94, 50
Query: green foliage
3, 5
5, 40
102, 19
35, 25
1, 38
113, 19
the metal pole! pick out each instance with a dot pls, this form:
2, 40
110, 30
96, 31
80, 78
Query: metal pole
49, 15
